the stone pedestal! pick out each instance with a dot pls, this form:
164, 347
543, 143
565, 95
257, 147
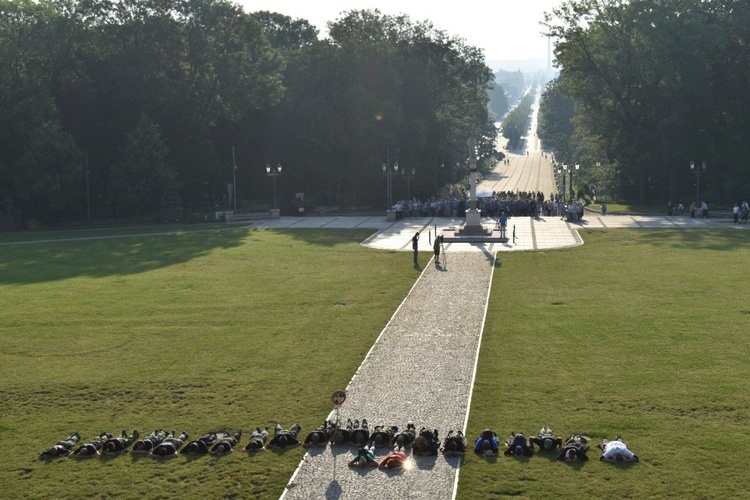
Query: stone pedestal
275, 213
473, 218
390, 215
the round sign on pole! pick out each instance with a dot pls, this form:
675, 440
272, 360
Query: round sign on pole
338, 398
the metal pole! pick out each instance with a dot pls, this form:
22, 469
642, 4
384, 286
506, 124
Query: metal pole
234, 180
571, 183
274, 191
88, 198
390, 189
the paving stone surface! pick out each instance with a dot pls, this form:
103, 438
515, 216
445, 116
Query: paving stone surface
421, 370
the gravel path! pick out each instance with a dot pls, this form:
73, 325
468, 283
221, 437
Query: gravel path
421, 368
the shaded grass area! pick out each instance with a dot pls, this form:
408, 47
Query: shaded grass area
201, 331
115, 231
637, 332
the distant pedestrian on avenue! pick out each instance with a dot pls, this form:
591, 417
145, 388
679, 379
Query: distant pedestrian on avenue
415, 247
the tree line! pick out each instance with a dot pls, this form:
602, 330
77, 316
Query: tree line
645, 88
131, 106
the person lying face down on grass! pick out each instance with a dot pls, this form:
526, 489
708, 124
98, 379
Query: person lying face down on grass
518, 446
62, 447
487, 443
90, 448
575, 449
257, 440
227, 444
169, 447
320, 436
455, 444
426, 444
115, 445
285, 438
616, 451
365, 457
203, 444
546, 439
147, 444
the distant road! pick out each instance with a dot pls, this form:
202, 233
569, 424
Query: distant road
528, 170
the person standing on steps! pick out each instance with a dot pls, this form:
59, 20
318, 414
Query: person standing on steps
503, 221
415, 247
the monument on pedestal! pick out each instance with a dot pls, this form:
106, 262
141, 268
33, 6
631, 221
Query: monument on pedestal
473, 224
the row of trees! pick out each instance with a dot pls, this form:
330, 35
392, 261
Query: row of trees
130, 105
517, 121
646, 87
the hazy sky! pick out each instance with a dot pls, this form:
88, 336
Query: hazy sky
505, 29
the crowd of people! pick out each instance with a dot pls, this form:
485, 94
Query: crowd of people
518, 204
357, 434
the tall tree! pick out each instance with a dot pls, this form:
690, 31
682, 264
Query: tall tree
141, 176
645, 66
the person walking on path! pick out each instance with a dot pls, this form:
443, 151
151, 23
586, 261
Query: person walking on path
415, 247
436, 249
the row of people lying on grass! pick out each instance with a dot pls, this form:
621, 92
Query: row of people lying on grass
161, 444
424, 443
575, 448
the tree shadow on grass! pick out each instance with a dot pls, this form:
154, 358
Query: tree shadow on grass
103, 256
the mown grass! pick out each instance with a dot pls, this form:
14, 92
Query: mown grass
637, 332
197, 330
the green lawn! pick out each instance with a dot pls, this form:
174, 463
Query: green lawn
638, 332
199, 330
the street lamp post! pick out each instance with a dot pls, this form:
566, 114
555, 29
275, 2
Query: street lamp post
389, 172
572, 191
564, 177
697, 169
273, 173
598, 166
408, 173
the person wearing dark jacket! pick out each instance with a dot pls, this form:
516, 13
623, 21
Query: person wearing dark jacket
574, 449
285, 438
169, 447
62, 447
517, 445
